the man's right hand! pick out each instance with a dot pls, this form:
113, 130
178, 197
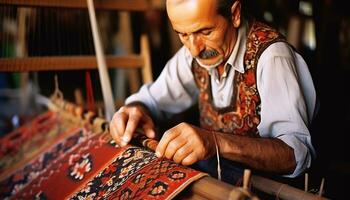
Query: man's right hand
127, 119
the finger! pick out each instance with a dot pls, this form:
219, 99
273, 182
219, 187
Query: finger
190, 159
113, 132
182, 153
122, 109
173, 146
149, 132
148, 128
120, 121
163, 143
117, 126
130, 128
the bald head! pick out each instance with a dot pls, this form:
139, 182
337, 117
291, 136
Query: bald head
223, 7
190, 10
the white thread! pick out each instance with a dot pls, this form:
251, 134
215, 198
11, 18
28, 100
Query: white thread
217, 157
279, 191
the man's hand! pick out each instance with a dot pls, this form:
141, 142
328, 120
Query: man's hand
186, 144
127, 119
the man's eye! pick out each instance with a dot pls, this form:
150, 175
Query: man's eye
206, 32
183, 35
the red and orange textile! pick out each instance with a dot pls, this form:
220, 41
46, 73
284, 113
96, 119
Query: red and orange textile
28, 141
84, 164
38, 166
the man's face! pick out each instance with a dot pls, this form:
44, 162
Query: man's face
209, 36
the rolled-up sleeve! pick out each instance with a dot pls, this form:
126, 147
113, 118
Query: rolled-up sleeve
302, 150
174, 90
287, 102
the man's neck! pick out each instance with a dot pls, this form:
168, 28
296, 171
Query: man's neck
220, 69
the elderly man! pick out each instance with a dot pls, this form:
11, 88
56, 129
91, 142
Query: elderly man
255, 94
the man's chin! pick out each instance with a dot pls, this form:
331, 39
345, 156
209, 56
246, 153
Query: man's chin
209, 65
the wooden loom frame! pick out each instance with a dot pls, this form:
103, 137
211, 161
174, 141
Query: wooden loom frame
132, 61
204, 188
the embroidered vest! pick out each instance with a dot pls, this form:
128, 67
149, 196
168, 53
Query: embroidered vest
242, 116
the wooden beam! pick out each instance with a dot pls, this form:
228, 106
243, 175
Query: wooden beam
211, 188
131, 5
51, 63
282, 191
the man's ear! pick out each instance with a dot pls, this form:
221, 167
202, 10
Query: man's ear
236, 14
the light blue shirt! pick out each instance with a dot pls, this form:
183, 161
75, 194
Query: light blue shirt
284, 83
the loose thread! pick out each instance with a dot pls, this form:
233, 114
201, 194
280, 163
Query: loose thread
57, 94
89, 92
217, 156
279, 191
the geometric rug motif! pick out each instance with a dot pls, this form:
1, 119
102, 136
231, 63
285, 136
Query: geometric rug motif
72, 171
28, 141
138, 174
19, 143
18, 180
54, 157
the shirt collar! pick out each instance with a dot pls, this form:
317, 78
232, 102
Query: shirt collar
236, 59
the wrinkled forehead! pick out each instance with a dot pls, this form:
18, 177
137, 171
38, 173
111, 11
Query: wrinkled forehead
179, 10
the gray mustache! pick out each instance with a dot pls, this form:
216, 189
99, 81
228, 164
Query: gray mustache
208, 54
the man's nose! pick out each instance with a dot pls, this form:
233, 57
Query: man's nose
196, 45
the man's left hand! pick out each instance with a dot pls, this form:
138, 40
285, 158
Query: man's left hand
186, 144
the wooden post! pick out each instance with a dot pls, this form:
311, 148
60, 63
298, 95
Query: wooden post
102, 67
320, 192
306, 184
246, 179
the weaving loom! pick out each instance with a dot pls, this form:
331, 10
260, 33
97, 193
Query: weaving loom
67, 153
83, 162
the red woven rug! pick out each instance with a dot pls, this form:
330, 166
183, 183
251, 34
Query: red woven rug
137, 173
77, 163
32, 139
23, 142
36, 167
99, 169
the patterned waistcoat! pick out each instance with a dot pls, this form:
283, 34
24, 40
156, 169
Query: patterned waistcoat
242, 116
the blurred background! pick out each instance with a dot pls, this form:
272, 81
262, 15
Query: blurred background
319, 30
